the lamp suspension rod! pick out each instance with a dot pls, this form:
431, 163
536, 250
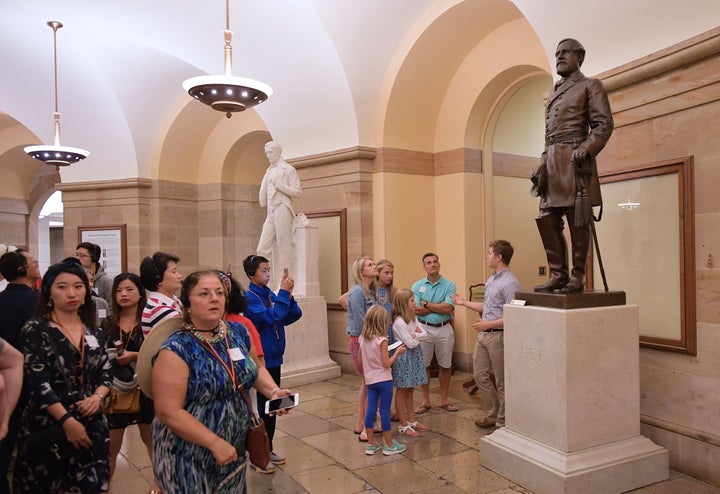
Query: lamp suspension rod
55, 25
227, 33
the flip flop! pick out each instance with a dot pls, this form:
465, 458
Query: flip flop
422, 409
448, 407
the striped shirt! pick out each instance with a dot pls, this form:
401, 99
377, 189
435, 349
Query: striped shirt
159, 307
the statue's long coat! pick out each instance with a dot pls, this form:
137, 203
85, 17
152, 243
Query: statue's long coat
578, 112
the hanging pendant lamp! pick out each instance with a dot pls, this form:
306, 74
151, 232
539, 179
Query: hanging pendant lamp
56, 154
227, 93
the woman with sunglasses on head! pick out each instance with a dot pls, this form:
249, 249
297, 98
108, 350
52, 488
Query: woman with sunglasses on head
124, 337
67, 376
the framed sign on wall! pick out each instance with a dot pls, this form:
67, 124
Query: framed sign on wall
113, 246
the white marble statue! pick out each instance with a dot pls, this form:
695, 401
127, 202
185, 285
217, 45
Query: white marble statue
279, 187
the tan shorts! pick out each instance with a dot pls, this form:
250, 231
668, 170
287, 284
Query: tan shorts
439, 341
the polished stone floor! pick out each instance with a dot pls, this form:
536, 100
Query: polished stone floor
324, 456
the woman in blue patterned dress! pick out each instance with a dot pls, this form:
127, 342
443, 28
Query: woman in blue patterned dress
409, 369
201, 418
67, 376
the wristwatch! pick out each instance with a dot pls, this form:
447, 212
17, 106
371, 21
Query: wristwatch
425, 304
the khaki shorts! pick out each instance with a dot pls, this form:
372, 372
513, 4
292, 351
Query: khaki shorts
439, 341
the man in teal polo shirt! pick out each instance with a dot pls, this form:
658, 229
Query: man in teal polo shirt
434, 308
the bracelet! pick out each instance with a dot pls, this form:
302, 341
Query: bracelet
102, 397
65, 418
272, 393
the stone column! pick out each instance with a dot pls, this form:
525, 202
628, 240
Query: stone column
572, 403
307, 355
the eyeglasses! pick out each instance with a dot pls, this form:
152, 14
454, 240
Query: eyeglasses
77, 255
203, 294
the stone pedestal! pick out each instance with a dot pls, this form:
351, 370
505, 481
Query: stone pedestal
572, 403
307, 354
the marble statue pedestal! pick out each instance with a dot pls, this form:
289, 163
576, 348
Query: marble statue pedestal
572, 403
307, 353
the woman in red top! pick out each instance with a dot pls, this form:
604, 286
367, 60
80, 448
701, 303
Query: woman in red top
235, 306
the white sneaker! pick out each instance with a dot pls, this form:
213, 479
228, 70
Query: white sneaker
268, 469
276, 459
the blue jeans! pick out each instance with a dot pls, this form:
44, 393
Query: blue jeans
382, 392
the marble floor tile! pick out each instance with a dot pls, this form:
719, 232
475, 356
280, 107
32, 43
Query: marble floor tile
400, 477
324, 456
300, 455
463, 469
330, 479
328, 408
301, 424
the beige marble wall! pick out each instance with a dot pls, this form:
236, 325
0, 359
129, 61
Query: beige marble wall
13, 218
207, 226
666, 106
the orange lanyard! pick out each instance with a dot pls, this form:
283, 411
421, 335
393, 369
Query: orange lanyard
229, 368
80, 347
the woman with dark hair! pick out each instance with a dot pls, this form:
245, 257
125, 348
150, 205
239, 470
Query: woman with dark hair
235, 306
124, 338
161, 278
202, 419
67, 376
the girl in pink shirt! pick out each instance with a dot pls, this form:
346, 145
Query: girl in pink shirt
376, 364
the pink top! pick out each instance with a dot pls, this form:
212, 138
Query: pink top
374, 370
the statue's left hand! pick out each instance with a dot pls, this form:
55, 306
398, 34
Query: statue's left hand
579, 155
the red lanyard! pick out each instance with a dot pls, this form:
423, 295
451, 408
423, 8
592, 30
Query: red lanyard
80, 347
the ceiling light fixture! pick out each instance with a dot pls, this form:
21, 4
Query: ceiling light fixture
227, 93
56, 154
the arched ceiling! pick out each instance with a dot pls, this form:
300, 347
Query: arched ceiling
345, 73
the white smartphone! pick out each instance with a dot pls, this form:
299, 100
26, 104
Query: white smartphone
395, 345
282, 403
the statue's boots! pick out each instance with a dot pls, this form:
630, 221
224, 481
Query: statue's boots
551, 234
580, 236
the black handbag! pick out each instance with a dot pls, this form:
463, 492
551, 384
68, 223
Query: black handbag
49, 446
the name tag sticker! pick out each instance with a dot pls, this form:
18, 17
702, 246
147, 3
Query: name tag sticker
236, 354
102, 313
92, 342
517, 302
422, 289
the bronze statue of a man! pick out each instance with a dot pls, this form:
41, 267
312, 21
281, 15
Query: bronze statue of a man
578, 124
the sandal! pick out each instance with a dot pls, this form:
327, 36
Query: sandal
418, 426
394, 417
363, 437
422, 409
449, 407
408, 431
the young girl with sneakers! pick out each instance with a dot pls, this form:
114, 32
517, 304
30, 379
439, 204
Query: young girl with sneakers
409, 369
376, 364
